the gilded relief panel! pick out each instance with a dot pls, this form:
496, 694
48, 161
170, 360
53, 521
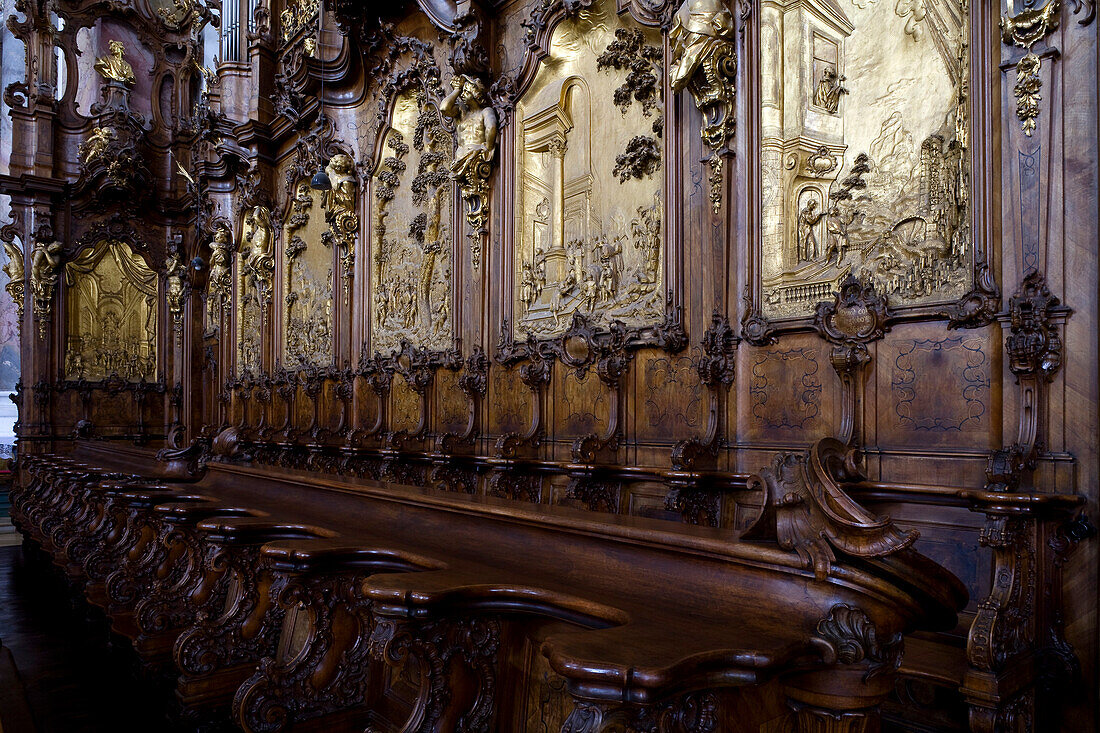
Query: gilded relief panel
411, 237
589, 235
308, 266
111, 324
864, 153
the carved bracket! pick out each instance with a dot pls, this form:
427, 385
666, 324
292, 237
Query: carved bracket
806, 510
857, 316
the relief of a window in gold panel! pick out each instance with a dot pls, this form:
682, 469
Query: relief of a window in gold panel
412, 237
864, 156
111, 314
588, 169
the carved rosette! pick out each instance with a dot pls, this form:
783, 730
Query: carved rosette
1024, 30
704, 61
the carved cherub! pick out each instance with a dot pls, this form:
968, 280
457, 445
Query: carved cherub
699, 28
114, 67
96, 144
476, 128
44, 264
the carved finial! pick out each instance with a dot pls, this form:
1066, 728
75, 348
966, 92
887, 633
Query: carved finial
806, 510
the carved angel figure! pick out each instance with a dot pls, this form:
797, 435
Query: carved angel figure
476, 128
44, 264
114, 67
96, 144
699, 28
259, 238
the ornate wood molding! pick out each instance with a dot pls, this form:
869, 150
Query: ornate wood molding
856, 317
806, 510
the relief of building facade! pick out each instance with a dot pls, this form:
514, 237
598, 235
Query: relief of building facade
864, 154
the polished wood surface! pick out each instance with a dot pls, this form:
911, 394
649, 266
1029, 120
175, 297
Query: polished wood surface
426, 394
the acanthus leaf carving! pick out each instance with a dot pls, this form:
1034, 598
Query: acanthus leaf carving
848, 636
1024, 30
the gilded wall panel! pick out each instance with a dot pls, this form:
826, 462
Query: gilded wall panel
864, 157
411, 229
308, 273
111, 324
588, 158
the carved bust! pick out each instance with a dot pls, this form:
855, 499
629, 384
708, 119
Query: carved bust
114, 67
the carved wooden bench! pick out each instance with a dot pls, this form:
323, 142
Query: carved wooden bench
643, 620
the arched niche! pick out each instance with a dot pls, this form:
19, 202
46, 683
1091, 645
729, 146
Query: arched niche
111, 317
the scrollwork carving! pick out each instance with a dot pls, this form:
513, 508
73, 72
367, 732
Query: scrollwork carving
806, 510
849, 636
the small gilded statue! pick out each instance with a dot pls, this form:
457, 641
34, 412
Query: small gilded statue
174, 272
829, 89
14, 268
220, 278
114, 67
44, 263
339, 202
477, 126
701, 30
258, 255
96, 144
16, 275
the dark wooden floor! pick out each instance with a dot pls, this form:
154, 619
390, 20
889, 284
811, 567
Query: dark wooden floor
75, 681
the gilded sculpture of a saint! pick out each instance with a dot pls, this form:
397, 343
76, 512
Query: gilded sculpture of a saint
259, 238
114, 66
829, 89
